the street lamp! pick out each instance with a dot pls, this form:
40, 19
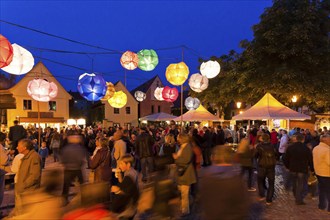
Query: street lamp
238, 104
294, 99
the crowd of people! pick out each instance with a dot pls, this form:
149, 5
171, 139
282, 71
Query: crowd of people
200, 166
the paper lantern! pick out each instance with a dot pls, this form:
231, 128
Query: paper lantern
140, 96
192, 103
6, 52
42, 90
148, 60
110, 91
198, 83
22, 62
177, 73
92, 86
118, 100
129, 60
170, 94
210, 69
159, 93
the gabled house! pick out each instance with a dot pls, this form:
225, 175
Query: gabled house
118, 117
53, 113
151, 105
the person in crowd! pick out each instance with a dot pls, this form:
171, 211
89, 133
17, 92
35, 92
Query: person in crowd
29, 175
43, 152
207, 147
144, 151
100, 162
223, 193
245, 154
284, 142
186, 174
240, 134
298, 159
73, 158
126, 193
55, 145
220, 137
129, 144
119, 148
3, 164
16, 133
253, 136
273, 138
266, 156
321, 159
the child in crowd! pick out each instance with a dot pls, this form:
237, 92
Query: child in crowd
43, 152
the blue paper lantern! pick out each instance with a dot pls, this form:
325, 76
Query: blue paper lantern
92, 86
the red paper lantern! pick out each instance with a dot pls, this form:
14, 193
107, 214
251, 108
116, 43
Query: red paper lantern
129, 60
170, 94
6, 52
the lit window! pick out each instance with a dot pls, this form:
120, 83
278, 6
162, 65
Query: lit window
52, 105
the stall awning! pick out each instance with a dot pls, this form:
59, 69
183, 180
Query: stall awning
42, 120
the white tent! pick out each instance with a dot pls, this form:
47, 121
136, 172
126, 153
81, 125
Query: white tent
200, 114
269, 108
161, 116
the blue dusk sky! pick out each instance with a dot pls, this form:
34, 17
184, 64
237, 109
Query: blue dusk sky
207, 28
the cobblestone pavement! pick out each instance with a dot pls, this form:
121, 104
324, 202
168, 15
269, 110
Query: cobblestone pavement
283, 206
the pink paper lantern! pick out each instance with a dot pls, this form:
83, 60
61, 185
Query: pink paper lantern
6, 52
42, 90
129, 60
170, 94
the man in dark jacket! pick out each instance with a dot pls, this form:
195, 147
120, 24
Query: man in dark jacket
220, 138
144, 151
298, 159
16, 133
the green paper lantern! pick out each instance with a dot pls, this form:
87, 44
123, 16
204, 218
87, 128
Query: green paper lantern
148, 60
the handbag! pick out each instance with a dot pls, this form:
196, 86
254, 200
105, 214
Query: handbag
181, 169
312, 179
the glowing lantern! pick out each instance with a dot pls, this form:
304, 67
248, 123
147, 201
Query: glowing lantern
118, 100
198, 83
148, 60
170, 94
192, 103
140, 96
22, 62
6, 52
110, 91
71, 121
210, 69
91, 86
177, 73
129, 60
42, 90
159, 93
81, 121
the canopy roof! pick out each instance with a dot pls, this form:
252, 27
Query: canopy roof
200, 114
269, 108
161, 116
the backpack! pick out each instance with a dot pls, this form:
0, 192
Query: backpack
268, 158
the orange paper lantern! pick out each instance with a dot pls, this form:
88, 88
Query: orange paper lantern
129, 60
6, 52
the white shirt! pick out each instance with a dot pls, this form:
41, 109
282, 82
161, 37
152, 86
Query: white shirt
16, 165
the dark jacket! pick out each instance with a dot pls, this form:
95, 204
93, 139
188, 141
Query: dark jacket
16, 133
298, 158
143, 145
260, 153
101, 163
220, 138
73, 156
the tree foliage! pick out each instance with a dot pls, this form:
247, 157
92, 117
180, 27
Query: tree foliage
289, 55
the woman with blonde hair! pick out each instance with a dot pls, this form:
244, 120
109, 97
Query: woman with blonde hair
185, 170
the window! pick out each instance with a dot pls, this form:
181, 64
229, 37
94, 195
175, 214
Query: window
158, 108
52, 105
27, 104
152, 109
128, 110
116, 110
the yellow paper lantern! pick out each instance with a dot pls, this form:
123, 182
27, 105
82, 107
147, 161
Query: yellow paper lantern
177, 73
118, 100
110, 91
210, 69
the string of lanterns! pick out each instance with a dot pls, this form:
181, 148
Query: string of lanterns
16, 60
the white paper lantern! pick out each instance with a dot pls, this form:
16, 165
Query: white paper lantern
198, 83
159, 93
192, 103
22, 62
210, 69
140, 96
42, 90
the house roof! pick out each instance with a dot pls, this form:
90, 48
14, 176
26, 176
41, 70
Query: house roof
269, 108
145, 86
